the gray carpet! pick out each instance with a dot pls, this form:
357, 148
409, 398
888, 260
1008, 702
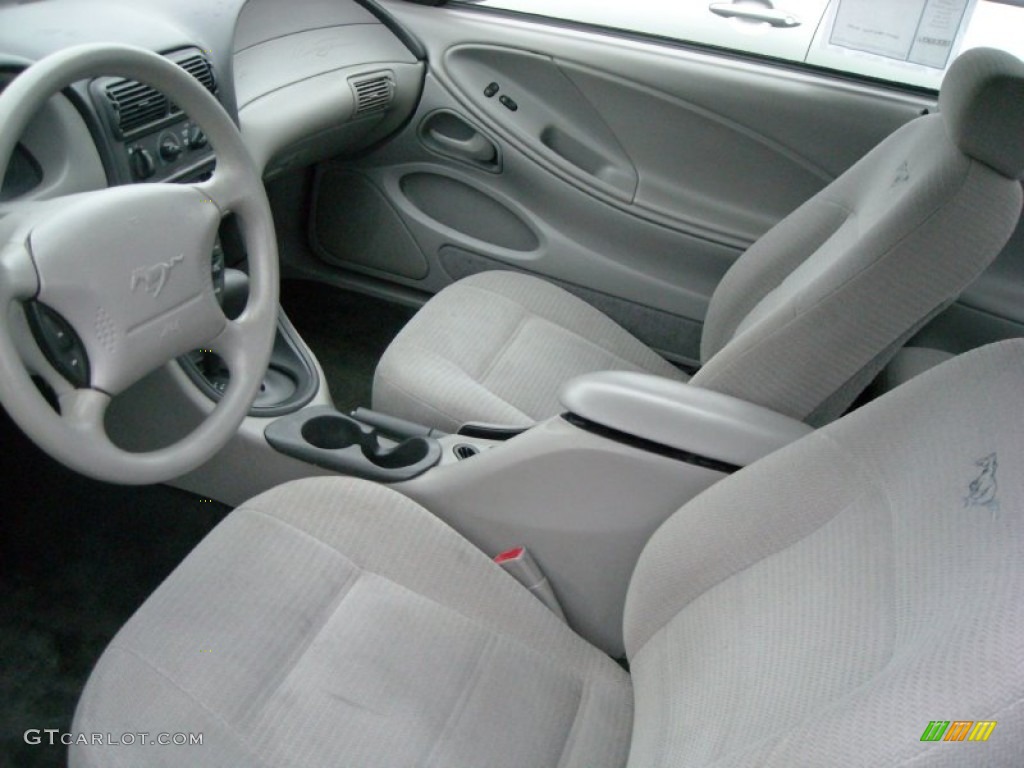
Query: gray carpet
348, 332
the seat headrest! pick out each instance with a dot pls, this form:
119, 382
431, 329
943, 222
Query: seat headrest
982, 101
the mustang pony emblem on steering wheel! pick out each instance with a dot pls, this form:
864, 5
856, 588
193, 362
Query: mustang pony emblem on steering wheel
153, 279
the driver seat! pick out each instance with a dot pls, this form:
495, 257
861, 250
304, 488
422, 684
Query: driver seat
820, 607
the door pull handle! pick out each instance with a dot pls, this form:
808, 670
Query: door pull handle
477, 147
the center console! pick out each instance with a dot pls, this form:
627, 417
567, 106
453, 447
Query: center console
583, 492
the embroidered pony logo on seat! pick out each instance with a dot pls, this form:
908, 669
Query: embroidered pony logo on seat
902, 174
983, 490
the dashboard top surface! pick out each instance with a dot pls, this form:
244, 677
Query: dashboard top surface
228, 33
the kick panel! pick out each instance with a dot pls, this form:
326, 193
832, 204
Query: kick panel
354, 224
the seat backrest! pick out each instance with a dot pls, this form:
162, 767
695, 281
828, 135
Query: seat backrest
824, 606
804, 320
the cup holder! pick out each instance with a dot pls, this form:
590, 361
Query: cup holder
324, 437
331, 432
335, 432
406, 453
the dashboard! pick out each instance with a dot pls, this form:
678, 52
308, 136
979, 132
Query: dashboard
304, 80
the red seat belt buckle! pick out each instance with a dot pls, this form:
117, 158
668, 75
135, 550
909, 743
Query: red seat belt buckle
519, 564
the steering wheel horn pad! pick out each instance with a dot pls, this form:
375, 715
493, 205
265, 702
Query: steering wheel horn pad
129, 269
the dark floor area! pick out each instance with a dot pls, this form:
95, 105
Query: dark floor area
348, 332
77, 557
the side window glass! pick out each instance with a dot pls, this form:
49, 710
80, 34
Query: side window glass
911, 42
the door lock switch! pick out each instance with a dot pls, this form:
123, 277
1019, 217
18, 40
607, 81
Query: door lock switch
491, 89
508, 103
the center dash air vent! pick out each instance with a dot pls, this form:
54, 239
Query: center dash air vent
136, 105
373, 93
199, 67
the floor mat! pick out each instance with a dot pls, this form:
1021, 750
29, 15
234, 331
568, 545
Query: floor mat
348, 332
77, 557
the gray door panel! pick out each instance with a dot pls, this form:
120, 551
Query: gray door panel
630, 172
698, 145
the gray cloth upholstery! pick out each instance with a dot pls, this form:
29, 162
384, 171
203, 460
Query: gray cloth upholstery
854, 269
495, 347
801, 322
982, 100
818, 608
335, 622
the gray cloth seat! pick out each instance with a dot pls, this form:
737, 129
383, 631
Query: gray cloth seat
332, 622
820, 607
805, 318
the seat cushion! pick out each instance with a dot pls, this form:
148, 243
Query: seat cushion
496, 348
335, 622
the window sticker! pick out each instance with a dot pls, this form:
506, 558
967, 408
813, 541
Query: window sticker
922, 32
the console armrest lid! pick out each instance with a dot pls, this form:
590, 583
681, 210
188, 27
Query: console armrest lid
681, 416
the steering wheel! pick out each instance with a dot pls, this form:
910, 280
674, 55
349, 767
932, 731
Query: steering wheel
123, 276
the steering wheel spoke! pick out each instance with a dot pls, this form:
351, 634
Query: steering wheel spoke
225, 190
227, 345
83, 411
235, 345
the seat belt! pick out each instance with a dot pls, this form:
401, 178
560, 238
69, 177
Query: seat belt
519, 563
